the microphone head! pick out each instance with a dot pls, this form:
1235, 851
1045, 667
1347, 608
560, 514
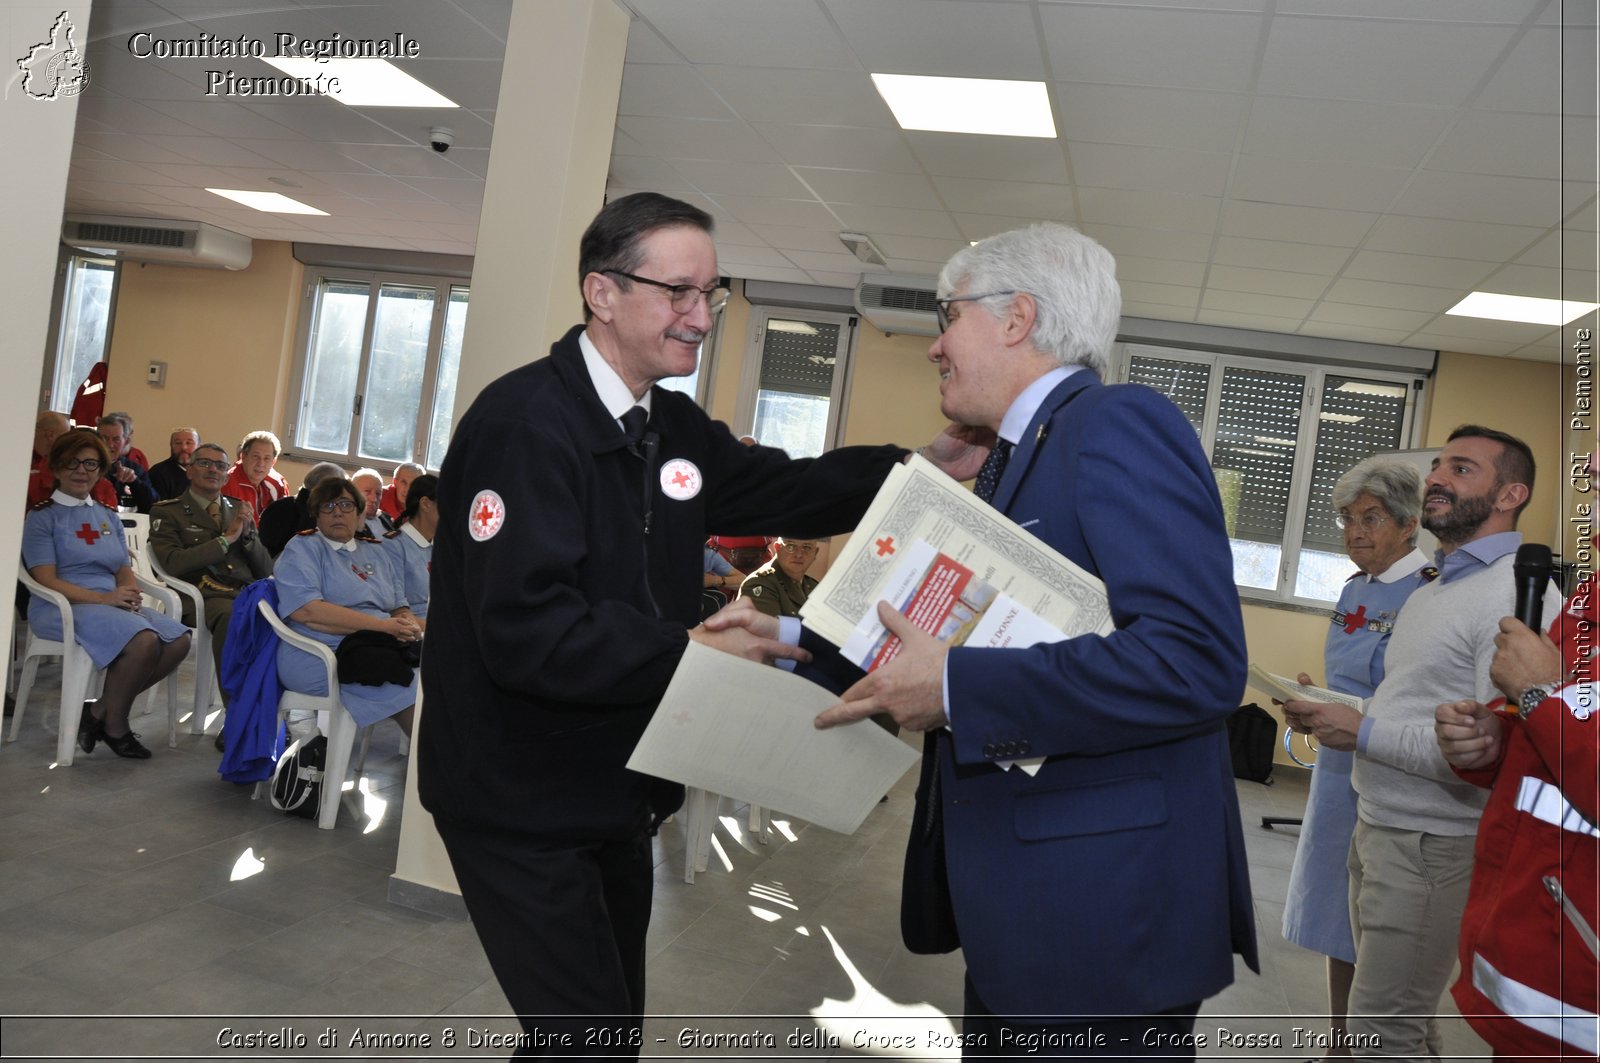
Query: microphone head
1533, 559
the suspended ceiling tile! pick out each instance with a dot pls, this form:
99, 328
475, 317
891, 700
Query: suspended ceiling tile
684, 138
1115, 206
1332, 314
1143, 46
943, 38
857, 186
1346, 131
1150, 242
1396, 296
842, 147
1156, 117
1417, 269
819, 97
1267, 221
741, 178
877, 221
1280, 255
676, 91
1255, 303
1339, 185
1171, 170
1267, 281
1449, 239
984, 157
759, 33
1476, 197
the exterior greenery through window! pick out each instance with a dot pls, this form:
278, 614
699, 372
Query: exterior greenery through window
376, 375
1279, 435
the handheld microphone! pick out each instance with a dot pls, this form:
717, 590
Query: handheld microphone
1532, 573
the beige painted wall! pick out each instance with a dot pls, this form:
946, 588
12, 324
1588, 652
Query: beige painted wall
227, 338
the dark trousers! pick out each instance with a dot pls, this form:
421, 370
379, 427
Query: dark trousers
563, 923
985, 1035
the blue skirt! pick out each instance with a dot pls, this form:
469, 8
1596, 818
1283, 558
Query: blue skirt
301, 672
1316, 911
102, 630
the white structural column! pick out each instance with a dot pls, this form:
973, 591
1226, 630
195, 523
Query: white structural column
547, 178
40, 134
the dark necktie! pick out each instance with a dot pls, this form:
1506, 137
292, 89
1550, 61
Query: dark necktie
633, 424
993, 467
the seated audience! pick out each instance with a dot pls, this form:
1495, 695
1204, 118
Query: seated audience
47, 428
413, 541
131, 452
252, 478
370, 483
780, 587
170, 478
720, 575
207, 539
75, 546
288, 517
130, 482
393, 500
335, 581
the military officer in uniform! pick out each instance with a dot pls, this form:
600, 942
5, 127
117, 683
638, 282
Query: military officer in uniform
780, 587
208, 539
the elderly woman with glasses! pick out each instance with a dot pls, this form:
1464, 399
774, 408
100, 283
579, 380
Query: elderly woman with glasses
333, 581
1378, 504
75, 546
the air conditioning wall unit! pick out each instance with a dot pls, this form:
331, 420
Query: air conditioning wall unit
898, 304
172, 243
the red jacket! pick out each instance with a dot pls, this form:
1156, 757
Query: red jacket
271, 488
1530, 964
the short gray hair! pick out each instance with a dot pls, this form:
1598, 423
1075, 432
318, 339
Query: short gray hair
1070, 276
1396, 485
368, 473
320, 472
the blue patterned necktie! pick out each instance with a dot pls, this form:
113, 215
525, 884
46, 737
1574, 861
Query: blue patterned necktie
994, 466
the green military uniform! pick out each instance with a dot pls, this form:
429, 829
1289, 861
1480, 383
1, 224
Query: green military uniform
774, 593
190, 546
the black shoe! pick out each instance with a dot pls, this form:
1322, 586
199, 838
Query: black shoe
88, 729
222, 746
127, 745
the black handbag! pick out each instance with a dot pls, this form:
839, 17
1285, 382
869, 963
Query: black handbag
373, 658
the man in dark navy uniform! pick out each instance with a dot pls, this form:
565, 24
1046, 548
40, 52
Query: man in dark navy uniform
567, 572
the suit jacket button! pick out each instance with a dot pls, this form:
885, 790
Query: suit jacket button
1011, 749
1022, 748
988, 751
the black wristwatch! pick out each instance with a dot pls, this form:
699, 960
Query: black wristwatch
1531, 698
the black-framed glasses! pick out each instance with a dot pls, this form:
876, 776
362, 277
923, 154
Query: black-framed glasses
1369, 521
684, 296
942, 306
207, 463
343, 505
86, 464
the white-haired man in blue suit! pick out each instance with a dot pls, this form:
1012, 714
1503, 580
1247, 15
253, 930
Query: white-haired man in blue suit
1100, 901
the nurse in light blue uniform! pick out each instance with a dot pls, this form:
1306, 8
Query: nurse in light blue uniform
74, 545
1379, 503
412, 542
334, 581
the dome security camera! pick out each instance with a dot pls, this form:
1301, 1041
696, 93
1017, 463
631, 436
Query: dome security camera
441, 138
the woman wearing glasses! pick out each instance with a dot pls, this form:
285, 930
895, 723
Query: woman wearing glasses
75, 546
1378, 505
333, 581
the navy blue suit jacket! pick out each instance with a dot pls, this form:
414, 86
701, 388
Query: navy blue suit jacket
1114, 881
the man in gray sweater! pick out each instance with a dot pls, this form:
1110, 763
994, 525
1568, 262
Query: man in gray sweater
1411, 858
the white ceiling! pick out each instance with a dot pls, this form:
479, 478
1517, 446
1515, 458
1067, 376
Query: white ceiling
1341, 168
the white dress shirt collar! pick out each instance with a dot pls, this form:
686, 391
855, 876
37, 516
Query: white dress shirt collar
614, 394
1020, 413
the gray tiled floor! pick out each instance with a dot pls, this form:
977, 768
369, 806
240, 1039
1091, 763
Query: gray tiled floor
121, 895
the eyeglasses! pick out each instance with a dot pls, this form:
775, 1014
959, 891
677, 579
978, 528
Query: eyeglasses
798, 548
1371, 522
942, 306
343, 505
207, 463
684, 296
86, 464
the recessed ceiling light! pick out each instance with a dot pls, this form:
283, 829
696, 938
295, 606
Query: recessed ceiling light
968, 105
364, 82
1521, 308
271, 202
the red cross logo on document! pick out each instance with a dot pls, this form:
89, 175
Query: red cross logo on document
485, 516
885, 545
87, 534
680, 479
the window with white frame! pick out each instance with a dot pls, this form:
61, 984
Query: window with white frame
376, 376
1279, 435
793, 390
84, 325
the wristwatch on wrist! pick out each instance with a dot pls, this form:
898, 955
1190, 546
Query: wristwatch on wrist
1531, 698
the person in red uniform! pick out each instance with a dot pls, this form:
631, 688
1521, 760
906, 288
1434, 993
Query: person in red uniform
252, 478
1530, 961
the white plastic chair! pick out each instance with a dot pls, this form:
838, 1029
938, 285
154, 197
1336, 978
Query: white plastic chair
80, 680
700, 808
206, 691
336, 723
